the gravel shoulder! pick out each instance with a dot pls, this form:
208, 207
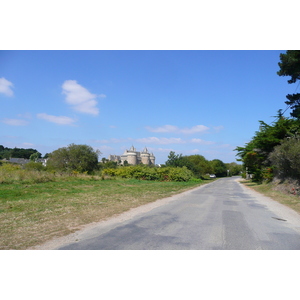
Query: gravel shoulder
277, 208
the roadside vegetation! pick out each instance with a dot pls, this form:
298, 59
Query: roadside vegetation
32, 213
272, 158
40, 202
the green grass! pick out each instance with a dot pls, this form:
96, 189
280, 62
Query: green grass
33, 213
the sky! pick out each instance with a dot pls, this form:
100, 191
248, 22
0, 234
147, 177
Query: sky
204, 102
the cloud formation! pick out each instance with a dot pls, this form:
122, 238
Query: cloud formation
175, 129
80, 98
15, 122
161, 141
201, 142
6, 87
61, 120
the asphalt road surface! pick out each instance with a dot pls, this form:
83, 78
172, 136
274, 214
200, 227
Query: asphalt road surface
221, 215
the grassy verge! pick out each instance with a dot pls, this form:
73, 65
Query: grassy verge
31, 214
272, 191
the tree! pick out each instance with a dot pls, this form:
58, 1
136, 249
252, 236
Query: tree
81, 158
219, 168
199, 165
35, 156
255, 154
46, 155
173, 159
285, 159
234, 168
290, 66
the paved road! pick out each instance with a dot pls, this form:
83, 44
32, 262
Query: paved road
220, 215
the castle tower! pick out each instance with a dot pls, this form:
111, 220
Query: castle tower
145, 155
152, 159
124, 157
132, 156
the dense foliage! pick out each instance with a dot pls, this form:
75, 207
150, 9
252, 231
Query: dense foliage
143, 172
200, 166
81, 158
290, 66
285, 159
255, 155
7, 153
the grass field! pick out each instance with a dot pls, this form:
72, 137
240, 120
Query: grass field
31, 214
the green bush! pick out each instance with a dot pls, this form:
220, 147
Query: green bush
180, 174
149, 173
286, 159
34, 166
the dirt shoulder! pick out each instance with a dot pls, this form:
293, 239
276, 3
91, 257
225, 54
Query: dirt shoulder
275, 192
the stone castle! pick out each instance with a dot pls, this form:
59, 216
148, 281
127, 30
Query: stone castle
134, 157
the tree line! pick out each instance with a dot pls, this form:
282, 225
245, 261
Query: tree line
274, 150
7, 153
200, 166
75, 159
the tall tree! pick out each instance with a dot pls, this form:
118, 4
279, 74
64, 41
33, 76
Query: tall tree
81, 158
290, 66
255, 154
219, 168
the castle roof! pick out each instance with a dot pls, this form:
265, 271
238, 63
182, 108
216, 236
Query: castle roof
145, 150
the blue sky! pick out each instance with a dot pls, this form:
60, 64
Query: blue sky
203, 102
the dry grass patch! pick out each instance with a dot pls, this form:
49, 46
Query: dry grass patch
34, 213
277, 192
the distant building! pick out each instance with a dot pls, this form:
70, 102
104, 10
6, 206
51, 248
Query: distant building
134, 157
24, 161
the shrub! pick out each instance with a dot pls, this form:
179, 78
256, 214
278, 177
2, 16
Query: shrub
286, 159
267, 174
109, 172
10, 173
34, 166
142, 172
180, 174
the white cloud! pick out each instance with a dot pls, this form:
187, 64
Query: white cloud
160, 141
25, 116
80, 98
194, 151
6, 87
165, 128
202, 142
175, 129
218, 128
195, 129
15, 122
61, 120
